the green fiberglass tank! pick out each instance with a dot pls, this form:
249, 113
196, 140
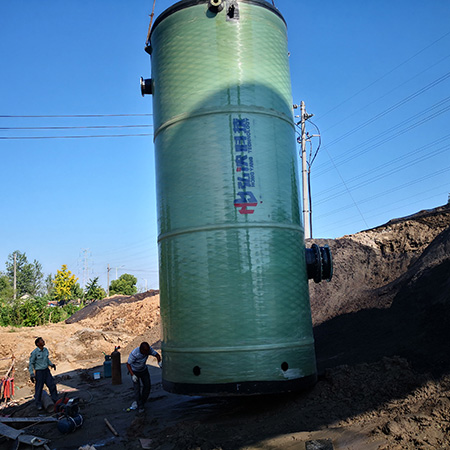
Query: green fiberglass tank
233, 272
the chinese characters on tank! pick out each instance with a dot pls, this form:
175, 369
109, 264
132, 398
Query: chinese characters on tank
246, 201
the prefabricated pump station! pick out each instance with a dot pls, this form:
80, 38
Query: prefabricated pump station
232, 260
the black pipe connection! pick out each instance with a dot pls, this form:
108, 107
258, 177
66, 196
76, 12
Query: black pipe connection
319, 263
146, 86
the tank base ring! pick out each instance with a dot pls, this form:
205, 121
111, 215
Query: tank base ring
244, 388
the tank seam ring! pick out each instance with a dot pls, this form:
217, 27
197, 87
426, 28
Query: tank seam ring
227, 110
305, 343
245, 226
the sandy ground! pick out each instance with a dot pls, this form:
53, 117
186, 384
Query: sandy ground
379, 405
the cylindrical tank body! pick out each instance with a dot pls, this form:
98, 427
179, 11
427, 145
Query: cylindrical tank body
233, 283
116, 367
107, 366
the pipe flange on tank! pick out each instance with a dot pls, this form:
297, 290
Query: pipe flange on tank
216, 5
319, 263
146, 86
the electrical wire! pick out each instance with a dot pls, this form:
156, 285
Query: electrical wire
383, 166
384, 175
391, 108
386, 74
319, 145
76, 127
387, 94
389, 191
395, 130
74, 137
385, 136
348, 191
351, 219
311, 159
73, 115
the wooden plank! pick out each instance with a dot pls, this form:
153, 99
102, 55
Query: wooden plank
9, 432
113, 430
27, 419
12, 433
32, 440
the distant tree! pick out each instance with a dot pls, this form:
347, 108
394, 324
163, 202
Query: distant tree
6, 290
77, 291
28, 275
66, 285
49, 286
93, 291
125, 284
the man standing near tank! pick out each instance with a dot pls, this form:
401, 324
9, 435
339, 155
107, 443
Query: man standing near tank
40, 374
137, 367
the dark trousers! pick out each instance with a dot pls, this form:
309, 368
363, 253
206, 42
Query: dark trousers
141, 395
44, 377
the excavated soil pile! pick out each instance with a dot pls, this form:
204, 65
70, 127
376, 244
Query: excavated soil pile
390, 295
124, 316
371, 266
115, 303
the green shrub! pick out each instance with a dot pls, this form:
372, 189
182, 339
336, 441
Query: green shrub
31, 312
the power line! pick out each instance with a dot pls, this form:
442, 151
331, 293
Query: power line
74, 137
348, 190
73, 115
384, 136
383, 175
392, 108
137, 244
383, 166
389, 191
388, 93
76, 128
386, 74
351, 219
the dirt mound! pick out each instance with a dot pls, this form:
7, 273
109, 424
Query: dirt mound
115, 301
409, 316
370, 266
122, 320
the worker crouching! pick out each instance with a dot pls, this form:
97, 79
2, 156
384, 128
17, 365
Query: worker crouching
140, 375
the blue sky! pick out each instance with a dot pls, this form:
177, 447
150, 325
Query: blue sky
376, 76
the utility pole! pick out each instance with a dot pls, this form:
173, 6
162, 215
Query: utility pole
306, 205
15, 275
85, 266
107, 287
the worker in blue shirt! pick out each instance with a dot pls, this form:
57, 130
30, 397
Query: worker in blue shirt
138, 370
40, 374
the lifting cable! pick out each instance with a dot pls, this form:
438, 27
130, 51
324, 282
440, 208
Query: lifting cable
147, 42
